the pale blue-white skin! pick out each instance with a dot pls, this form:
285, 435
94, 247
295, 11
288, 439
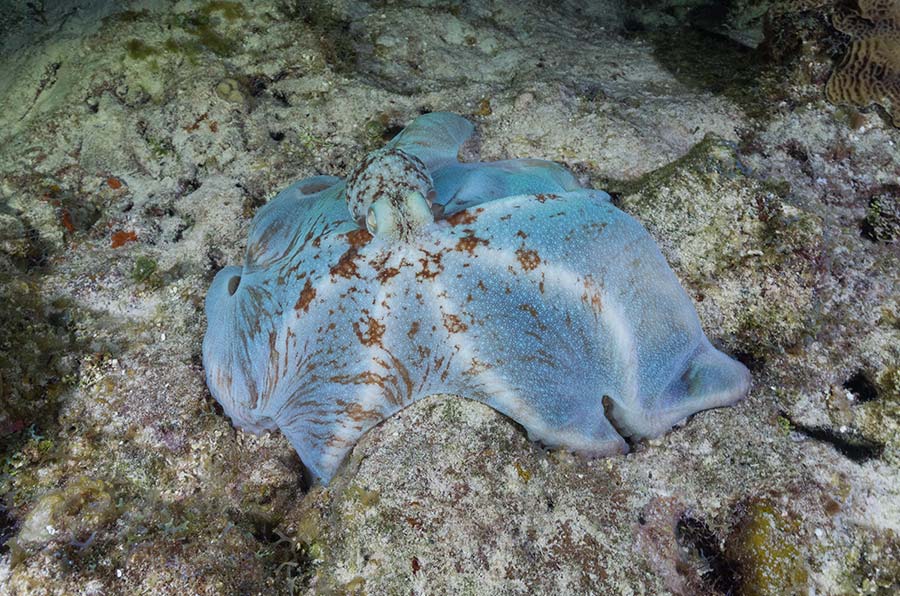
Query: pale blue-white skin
533, 296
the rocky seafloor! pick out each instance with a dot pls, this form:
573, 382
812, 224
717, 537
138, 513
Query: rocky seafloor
138, 139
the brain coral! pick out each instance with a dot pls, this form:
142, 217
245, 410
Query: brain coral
870, 71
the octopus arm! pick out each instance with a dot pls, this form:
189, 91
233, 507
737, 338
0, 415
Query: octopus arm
464, 185
348, 370
599, 315
434, 138
523, 351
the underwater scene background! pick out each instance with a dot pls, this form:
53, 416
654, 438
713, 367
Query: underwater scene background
756, 141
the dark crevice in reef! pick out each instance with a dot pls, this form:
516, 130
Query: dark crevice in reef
307, 480
719, 573
282, 550
882, 221
695, 46
712, 63
861, 386
264, 529
8, 528
753, 362
850, 445
391, 131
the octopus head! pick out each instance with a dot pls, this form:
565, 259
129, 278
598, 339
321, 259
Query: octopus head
386, 173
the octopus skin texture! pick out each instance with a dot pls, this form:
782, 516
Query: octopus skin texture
503, 282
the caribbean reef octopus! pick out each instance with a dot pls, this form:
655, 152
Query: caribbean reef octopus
504, 282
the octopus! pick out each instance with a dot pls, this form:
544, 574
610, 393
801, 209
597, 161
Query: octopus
504, 282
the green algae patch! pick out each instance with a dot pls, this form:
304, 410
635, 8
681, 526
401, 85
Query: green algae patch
230, 90
209, 29
379, 130
37, 357
230, 10
70, 514
143, 270
873, 564
140, 50
362, 497
765, 550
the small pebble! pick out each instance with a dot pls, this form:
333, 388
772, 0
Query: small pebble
524, 100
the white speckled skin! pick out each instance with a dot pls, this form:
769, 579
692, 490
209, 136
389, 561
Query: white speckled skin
533, 296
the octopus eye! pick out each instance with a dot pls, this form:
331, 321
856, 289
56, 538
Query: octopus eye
371, 221
429, 198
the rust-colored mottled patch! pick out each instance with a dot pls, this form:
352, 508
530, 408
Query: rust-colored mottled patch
123, 237
453, 324
387, 273
476, 367
592, 297
346, 265
307, 294
372, 333
254, 394
431, 266
358, 238
464, 217
417, 524
364, 378
469, 243
358, 413
528, 259
543, 198
114, 183
337, 442
529, 309
213, 126
403, 380
568, 544
521, 234
413, 329
274, 360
